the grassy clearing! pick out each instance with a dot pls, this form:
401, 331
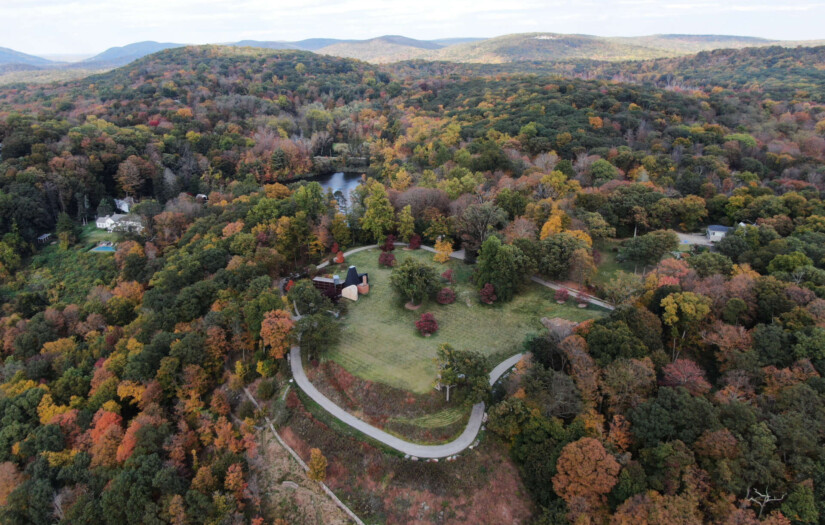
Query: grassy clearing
91, 236
438, 420
609, 265
380, 343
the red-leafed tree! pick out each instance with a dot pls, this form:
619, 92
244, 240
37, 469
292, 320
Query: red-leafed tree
488, 294
445, 296
685, 373
389, 244
415, 242
386, 259
427, 325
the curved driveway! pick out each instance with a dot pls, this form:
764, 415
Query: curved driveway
463, 441
452, 448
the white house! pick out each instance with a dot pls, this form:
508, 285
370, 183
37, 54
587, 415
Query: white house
124, 205
716, 232
120, 223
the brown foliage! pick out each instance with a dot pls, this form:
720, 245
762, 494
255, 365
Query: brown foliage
652, 508
276, 330
583, 369
628, 382
10, 478
586, 473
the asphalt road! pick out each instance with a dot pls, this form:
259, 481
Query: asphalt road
452, 448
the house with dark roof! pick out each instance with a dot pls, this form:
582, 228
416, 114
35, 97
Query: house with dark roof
333, 286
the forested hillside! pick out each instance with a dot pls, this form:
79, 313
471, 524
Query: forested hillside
699, 399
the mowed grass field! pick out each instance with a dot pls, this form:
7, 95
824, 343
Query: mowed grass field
380, 342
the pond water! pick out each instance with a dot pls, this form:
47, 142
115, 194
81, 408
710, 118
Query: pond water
106, 249
343, 182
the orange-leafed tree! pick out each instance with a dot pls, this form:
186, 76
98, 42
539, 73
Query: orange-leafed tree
619, 434
317, 465
106, 434
131, 290
234, 481
177, 510
130, 438
586, 472
276, 332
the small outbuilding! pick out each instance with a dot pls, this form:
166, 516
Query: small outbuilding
717, 232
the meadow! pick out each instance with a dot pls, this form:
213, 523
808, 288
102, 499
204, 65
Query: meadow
380, 343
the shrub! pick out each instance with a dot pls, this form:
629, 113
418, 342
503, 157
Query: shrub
266, 389
427, 325
386, 259
448, 276
445, 296
246, 409
335, 248
562, 295
415, 242
414, 280
339, 257
488, 294
389, 244
581, 298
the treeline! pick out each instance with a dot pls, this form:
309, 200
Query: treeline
697, 400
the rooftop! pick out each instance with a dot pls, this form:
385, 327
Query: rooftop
718, 228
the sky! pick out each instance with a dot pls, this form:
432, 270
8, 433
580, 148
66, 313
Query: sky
91, 26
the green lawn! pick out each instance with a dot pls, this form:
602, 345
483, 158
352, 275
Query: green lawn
438, 420
91, 236
609, 265
380, 343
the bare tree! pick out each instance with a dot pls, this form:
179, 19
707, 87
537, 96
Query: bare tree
762, 499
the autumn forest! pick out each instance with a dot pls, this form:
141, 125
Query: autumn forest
139, 386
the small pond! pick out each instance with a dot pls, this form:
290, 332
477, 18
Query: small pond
343, 182
105, 249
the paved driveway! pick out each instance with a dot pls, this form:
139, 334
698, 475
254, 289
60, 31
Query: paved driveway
452, 448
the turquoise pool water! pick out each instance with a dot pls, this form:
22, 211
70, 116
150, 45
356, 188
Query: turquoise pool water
109, 249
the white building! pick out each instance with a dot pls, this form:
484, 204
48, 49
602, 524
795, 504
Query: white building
120, 223
124, 205
716, 232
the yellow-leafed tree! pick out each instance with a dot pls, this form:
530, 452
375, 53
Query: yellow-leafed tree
443, 249
317, 465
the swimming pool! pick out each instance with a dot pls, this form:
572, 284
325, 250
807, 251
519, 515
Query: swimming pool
108, 249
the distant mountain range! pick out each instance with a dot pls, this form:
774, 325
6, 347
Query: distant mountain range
10, 56
120, 56
543, 47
